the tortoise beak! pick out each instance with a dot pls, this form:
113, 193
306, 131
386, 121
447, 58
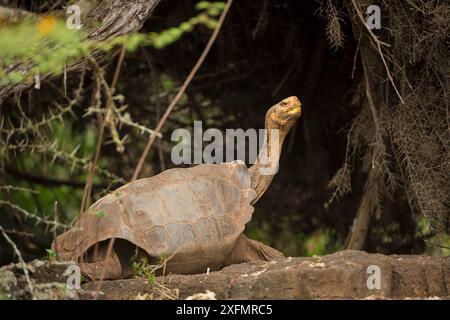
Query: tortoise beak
296, 106
296, 111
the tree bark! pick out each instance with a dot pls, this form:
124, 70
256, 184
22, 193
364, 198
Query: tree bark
356, 238
109, 18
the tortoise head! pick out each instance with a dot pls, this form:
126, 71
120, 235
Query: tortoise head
281, 117
284, 114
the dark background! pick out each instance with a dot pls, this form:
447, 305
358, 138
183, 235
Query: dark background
267, 50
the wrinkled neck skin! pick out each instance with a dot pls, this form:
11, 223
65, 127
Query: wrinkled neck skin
266, 165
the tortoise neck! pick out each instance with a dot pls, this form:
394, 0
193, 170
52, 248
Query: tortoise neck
266, 164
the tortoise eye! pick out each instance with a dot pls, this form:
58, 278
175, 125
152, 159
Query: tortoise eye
284, 103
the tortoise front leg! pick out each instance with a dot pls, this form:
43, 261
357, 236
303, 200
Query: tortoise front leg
110, 267
251, 250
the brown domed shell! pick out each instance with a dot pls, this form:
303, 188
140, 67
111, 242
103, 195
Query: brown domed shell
195, 214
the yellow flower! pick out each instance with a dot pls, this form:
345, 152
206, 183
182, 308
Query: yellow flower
46, 25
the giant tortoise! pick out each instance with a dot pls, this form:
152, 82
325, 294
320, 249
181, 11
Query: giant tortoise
195, 217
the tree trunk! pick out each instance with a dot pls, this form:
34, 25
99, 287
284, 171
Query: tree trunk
109, 18
356, 238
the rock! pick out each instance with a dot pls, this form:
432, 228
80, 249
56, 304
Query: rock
341, 275
8, 282
208, 295
47, 280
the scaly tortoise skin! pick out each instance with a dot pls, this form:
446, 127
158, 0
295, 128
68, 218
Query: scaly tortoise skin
196, 216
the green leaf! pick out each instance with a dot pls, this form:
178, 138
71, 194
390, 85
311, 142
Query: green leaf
135, 41
50, 253
202, 5
214, 11
151, 278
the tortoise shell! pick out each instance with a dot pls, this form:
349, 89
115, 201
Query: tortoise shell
193, 215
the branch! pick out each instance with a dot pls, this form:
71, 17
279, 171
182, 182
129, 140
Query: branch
13, 15
182, 90
117, 17
378, 46
19, 256
34, 216
50, 182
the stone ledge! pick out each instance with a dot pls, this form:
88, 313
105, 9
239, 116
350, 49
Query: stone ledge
341, 275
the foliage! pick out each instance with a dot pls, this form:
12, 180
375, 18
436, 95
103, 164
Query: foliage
25, 43
295, 243
141, 268
53, 145
51, 254
47, 45
400, 133
266, 51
